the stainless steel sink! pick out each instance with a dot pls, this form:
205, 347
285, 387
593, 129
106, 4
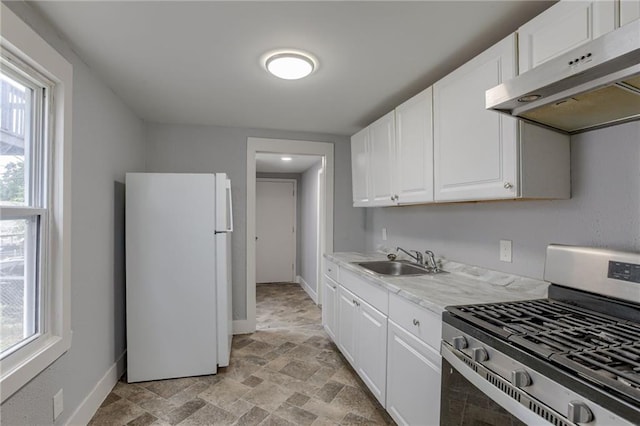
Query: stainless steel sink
394, 267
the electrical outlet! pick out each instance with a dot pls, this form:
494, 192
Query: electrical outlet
384, 234
505, 250
58, 404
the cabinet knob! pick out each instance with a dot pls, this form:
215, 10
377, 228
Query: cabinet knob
520, 378
508, 185
392, 199
459, 342
416, 322
579, 412
479, 354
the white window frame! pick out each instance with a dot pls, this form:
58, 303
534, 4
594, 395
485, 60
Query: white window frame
54, 339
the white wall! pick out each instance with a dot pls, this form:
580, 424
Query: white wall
108, 140
604, 211
200, 149
309, 226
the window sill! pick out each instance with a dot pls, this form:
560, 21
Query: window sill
33, 359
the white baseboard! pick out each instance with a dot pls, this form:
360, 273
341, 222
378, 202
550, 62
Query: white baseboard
100, 391
243, 327
312, 294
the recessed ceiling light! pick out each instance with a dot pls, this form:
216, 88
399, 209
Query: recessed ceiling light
289, 64
286, 158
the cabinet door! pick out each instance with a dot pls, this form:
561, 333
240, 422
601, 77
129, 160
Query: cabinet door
629, 11
413, 380
562, 27
414, 149
381, 167
329, 312
360, 167
372, 349
475, 154
348, 314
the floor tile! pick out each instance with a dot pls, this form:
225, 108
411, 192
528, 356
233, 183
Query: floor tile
296, 415
209, 415
180, 413
253, 417
224, 393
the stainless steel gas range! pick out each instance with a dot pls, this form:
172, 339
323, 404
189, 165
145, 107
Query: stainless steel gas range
571, 359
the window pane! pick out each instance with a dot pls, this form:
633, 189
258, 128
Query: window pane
15, 128
18, 289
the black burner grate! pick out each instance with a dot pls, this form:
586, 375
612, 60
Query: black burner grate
601, 348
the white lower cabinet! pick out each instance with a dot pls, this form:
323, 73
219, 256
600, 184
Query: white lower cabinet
413, 379
372, 349
362, 339
347, 313
391, 342
329, 306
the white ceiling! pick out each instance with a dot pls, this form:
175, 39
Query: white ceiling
272, 163
198, 62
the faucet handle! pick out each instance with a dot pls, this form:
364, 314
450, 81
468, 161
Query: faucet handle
431, 261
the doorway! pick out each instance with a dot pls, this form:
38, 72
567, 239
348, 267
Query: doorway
323, 231
276, 229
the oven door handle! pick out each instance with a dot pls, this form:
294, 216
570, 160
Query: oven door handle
511, 405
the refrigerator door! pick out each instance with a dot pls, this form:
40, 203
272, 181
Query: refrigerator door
224, 228
170, 243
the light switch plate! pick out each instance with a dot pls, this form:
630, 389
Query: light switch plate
58, 404
505, 250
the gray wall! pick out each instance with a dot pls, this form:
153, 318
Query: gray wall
309, 226
297, 177
200, 149
108, 140
604, 211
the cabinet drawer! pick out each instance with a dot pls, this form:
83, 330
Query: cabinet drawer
331, 269
369, 292
424, 324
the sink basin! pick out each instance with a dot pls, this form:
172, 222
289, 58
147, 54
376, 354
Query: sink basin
394, 267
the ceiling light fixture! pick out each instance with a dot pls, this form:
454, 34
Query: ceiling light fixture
289, 64
286, 158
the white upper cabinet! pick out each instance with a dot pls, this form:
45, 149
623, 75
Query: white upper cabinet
629, 11
474, 148
360, 167
392, 159
482, 155
562, 27
414, 149
382, 137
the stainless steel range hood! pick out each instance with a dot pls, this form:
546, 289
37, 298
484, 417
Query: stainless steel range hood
594, 85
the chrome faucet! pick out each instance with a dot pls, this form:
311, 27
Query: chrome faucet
431, 261
418, 256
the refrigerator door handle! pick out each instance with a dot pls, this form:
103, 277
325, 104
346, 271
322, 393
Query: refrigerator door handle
230, 204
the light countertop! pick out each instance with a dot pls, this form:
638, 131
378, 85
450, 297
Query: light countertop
463, 284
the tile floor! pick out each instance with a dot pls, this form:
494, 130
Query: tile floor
286, 373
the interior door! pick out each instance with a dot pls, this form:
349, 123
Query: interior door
275, 231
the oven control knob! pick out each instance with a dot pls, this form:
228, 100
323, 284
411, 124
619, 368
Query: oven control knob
520, 378
579, 412
459, 342
479, 354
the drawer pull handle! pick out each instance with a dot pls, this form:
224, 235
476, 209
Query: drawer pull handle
416, 322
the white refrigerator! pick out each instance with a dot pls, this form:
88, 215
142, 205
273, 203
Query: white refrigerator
178, 252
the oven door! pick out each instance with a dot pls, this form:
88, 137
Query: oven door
469, 398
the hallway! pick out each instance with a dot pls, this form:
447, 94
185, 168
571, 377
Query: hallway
286, 373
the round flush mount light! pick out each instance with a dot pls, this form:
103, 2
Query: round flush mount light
289, 64
286, 158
